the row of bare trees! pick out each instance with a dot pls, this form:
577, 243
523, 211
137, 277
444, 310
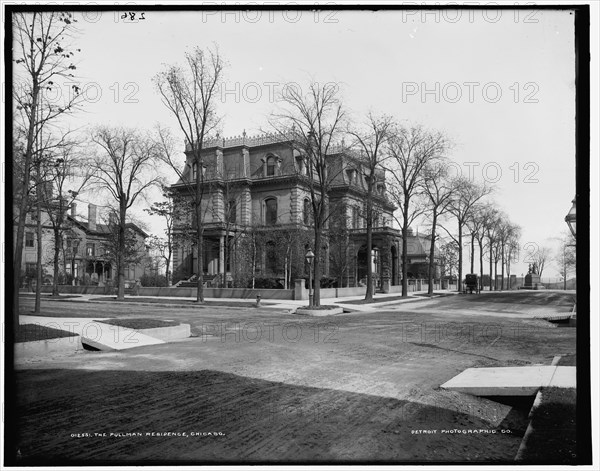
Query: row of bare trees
51, 165
123, 163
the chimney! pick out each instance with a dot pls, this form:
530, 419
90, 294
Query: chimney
92, 217
73, 210
410, 232
113, 218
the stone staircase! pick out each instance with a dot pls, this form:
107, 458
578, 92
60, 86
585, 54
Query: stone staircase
192, 282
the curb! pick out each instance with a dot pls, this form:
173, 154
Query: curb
185, 306
530, 430
37, 348
305, 311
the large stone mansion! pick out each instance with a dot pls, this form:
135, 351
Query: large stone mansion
258, 216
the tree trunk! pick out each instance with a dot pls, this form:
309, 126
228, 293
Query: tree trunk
480, 243
369, 293
472, 253
199, 268
432, 253
496, 275
57, 244
502, 269
199, 231
460, 257
253, 259
121, 255
24, 203
491, 265
38, 287
405, 250
317, 267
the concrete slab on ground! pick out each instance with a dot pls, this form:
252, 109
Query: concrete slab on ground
564, 377
96, 334
510, 381
555, 316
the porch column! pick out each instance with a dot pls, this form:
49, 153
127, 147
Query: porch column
222, 259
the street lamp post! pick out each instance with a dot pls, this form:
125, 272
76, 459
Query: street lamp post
571, 218
376, 266
309, 258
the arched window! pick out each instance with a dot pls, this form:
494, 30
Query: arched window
194, 171
271, 211
271, 162
231, 212
307, 212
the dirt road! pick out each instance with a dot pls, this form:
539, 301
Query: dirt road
273, 387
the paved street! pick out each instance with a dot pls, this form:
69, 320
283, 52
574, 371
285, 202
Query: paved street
276, 386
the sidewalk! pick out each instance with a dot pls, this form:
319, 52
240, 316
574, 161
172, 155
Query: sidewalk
97, 334
290, 305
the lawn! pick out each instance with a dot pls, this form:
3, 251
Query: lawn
181, 302
140, 323
35, 332
554, 439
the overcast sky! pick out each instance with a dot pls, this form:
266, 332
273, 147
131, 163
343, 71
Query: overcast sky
500, 84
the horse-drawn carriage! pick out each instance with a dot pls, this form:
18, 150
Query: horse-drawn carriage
471, 284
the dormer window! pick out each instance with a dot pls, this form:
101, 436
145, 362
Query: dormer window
351, 175
270, 166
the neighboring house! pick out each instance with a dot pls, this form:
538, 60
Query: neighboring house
85, 254
88, 248
418, 256
30, 248
258, 186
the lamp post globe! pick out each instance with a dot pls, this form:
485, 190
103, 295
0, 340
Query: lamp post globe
309, 258
571, 218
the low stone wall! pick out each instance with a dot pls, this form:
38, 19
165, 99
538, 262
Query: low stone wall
328, 293
45, 347
166, 291
236, 293
175, 332
69, 289
356, 291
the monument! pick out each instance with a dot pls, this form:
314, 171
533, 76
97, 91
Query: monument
532, 279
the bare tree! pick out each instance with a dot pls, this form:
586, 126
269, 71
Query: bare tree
190, 94
448, 259
411, 149
315, 121
122, 245
171, 209
371, 141
475, 224
491, 232
512, 249
125, 167
68, 175
506, 233
468, 194
44, 57
566, 258
542, 255
439, 189
485, 215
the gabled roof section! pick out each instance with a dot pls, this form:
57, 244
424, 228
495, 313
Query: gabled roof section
103, 229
